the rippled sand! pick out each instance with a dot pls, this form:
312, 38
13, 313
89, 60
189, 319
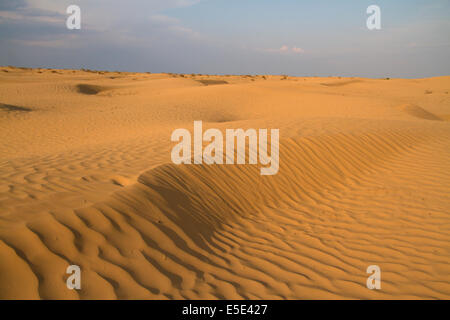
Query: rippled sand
86, 179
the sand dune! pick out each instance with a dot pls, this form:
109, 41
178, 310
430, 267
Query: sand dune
86, 179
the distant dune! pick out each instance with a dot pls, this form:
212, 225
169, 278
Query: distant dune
86, 179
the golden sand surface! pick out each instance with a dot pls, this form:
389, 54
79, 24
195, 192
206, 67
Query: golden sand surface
86, 178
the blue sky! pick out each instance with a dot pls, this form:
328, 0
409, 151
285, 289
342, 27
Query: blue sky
295, 37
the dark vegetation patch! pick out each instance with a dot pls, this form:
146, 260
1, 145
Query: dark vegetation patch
212, 82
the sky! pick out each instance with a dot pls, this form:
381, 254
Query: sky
293, 37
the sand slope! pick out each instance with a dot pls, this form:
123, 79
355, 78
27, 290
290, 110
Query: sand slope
86, 179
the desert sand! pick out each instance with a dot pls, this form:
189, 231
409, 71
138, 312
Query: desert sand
86, 179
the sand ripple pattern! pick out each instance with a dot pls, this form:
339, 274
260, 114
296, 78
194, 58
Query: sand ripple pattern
340, 203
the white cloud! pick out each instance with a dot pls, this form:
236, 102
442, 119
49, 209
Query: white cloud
298, 50
286, 50
163, 19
